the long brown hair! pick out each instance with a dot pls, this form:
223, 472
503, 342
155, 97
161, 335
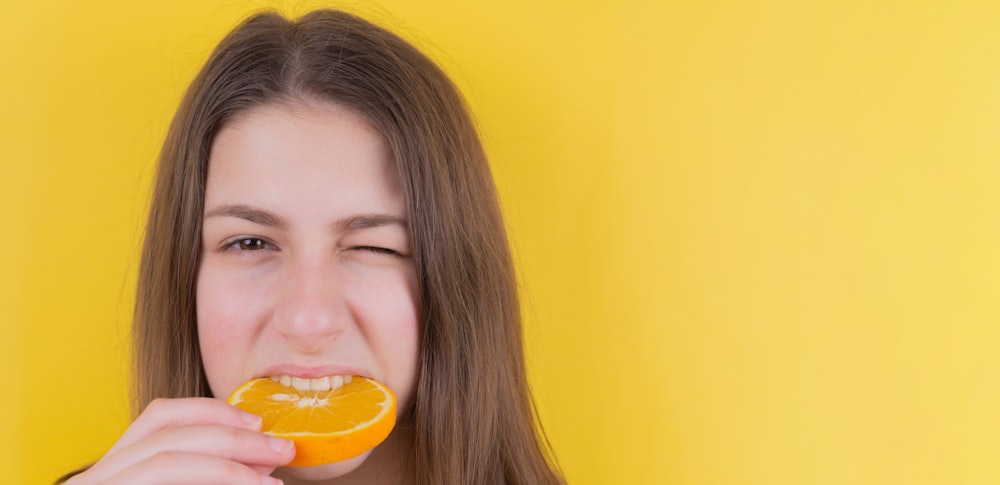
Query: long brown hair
473, 417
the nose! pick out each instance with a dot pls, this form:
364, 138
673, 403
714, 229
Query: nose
311, 311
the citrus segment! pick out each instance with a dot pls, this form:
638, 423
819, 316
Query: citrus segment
326, 426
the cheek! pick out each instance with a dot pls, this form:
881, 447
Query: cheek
223, 335
390, 320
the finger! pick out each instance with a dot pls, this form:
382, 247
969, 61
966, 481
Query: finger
263, 470
232, 444
165, 413
182, 467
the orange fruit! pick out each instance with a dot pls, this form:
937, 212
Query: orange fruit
326, 426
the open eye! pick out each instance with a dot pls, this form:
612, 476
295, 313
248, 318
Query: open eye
248, 244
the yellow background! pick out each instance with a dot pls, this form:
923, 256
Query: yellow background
759, 241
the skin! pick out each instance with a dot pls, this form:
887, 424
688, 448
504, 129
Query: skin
306, 267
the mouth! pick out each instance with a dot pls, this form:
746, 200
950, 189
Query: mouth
325, 383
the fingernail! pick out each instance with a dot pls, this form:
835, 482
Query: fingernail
251, 419
279, 445
268, 480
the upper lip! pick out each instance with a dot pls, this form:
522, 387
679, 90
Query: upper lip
310, 372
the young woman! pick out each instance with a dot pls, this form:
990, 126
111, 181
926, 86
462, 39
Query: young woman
323, 207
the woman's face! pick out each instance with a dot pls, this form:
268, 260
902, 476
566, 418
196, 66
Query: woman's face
306, 267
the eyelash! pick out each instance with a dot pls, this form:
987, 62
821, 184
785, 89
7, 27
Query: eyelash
377, 250
237, 245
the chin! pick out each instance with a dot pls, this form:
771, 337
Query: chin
323, 472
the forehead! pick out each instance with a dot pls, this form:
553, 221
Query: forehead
309, 157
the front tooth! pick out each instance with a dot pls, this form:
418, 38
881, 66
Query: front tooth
300, 383
336, 382
347, 379
286, 380
275, 378
320, 384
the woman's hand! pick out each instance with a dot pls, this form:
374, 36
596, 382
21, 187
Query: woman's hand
191, 440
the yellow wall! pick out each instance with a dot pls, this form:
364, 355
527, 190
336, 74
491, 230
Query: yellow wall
759, 240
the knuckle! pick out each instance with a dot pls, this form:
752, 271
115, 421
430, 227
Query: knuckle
156, 406
239, 437
237, 472
165, 459
163, 435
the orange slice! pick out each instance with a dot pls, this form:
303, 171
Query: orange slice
326, 426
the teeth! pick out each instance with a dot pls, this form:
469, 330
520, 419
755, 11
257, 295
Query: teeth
321, 384
325, 383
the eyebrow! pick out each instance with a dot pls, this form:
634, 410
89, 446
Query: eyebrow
266, 218
257, 216
367, 221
